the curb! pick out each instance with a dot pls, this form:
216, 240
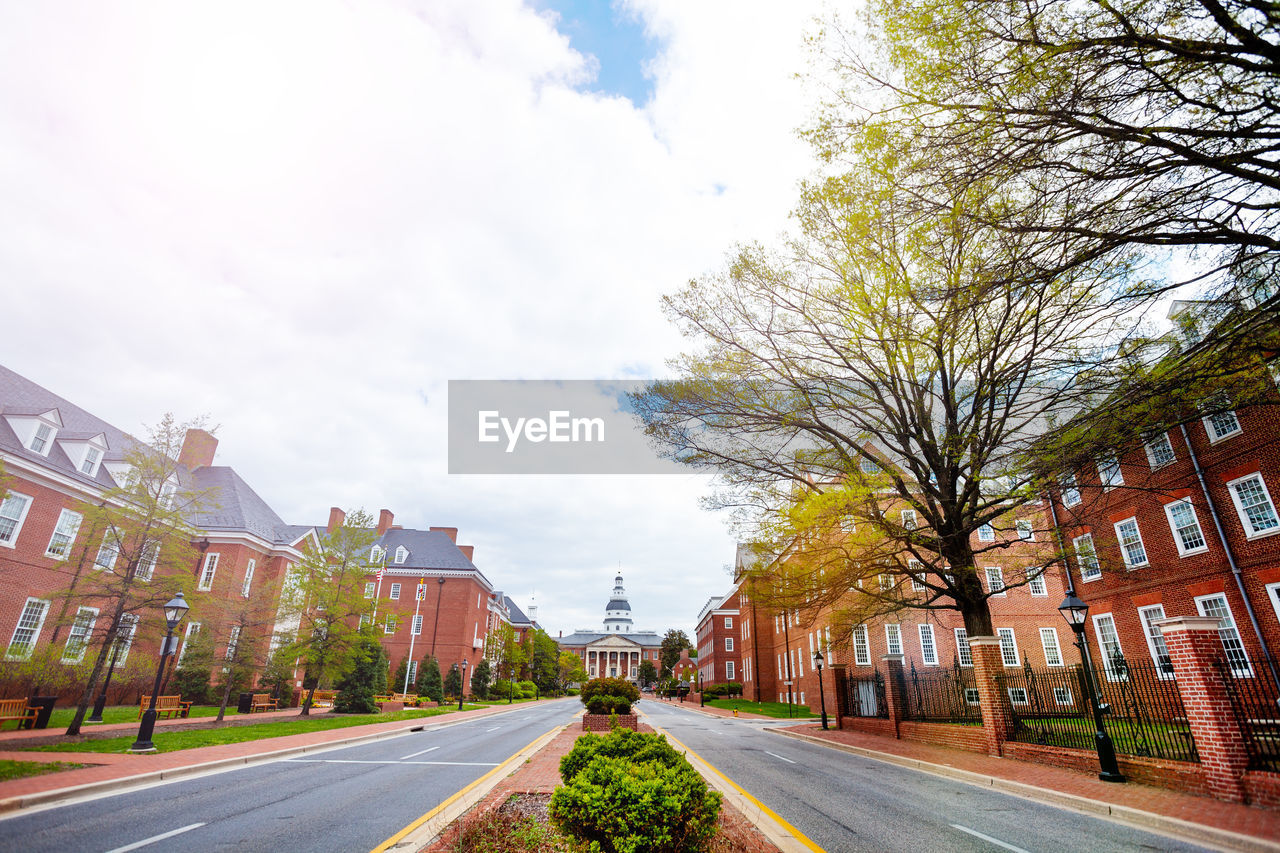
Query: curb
9, 805
1181, 829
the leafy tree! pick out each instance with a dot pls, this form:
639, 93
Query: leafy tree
246, 626
429, 684
648, 673
364, 678
453, 682
325, 592
673, 642
570, 670
481, 676
544, 660
191, 678
401, 674
503, 649
140, 538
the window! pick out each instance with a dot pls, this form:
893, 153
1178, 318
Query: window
1062, 695
369, 589
80, 634
1008, 646
124, 637
1109, 472
728, 644
91, 458
972, 696
1130, 540
728, 670
248, 578
893, 638
986, 533
995, 581
1052, 651
412, 674
868, 466
108, 553
1150, 615
28, 629
1070, 490
40, 441
1253, 505
963, 652
1216, 606
1159, 449
63, 535
417, 625
147, 562
728, 622
395, 592
390, 624
210, 569
1223, 424
377, 554
916, 569
1186, 527
909, 519
1109, 642
1018, 695
1026, 532
1035, 582
861, 650
928, 648
402, 554
1087, 557
13, 511
232, 642
192, 628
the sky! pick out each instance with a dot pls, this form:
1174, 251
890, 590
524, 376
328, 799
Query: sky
304, 219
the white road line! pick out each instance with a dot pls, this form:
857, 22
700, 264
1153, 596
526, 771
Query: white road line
419, 752
494, 729
387, 761
153, 839
779, 757
996, 841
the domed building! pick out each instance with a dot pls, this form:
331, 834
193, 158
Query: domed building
617, 650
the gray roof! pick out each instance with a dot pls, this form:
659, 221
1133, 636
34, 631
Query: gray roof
516, 614
646, 639
238, 507
617, 604
428, 549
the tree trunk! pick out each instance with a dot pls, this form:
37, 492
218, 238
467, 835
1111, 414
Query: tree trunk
226, 693
86, 699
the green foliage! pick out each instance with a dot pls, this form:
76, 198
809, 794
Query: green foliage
453, 682
648, 672
526, 689
429, 684
480, 679
617, 691
731, 688
397, 680
673, 642
494, 831
647, 799
191, 679
544, 660
570, 669
364, 678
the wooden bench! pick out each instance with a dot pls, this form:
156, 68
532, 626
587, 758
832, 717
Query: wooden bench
17, 709
263, 702
169, 706
322, 698
406, 698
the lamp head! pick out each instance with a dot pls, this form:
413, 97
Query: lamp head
175, 610
1074, 611
817, 658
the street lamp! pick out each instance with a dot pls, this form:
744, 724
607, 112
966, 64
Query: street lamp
822, 695
1076, 612
173, 613
462, 689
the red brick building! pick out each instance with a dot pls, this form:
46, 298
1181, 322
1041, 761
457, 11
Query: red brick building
718, 641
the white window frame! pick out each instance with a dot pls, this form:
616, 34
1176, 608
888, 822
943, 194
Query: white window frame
1009, 649
1169, 510
862, 646
124, 636
1035, 582
92, 458
233, 641
1129, 562
1232, 644
146, 567
108, 554
1104, 628
1087, 560
412, 672
915, 568
14, 510
1155, 444
909, 521
1026, 530
728, 644
192, 628
995, 581
389, 626
728, 670
79, 635
1148, 616
1062, 696
1273, 595
964, 653
376, 554
35, 624
64, 534
395, 592
246, 585
1250, 531
402, 554
208, 571
416, 630
728, 622
986, 533
893, 638
928, 645
1109, 473
1070, 490
45, 433
1052, 648
1211, 430
1018, 695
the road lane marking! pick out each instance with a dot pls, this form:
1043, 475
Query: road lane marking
987, 838
420, 752
391, 761
494, 729
779, 757
153, 839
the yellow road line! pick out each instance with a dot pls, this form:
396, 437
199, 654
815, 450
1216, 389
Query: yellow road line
493, 775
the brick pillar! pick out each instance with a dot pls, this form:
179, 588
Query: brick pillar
1194, 645
893, 689
996, 718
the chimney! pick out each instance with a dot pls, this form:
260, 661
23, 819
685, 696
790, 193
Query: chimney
451, 532
467, 550
198, 447
385, 518
336, 519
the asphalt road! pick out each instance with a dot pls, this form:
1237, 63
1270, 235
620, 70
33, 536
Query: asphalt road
346, 799
844, 802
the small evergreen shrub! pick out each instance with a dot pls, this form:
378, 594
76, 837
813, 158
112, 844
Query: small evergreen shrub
480, 678
366, 677
615, 688
620, 743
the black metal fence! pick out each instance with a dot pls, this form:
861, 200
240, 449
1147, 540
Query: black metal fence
1143, 710
1255, 701
864, 696
941, 696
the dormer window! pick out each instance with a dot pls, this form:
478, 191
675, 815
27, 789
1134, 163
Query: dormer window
36, 429
40, 441
402, 554
377, 555
91, 459
84, 451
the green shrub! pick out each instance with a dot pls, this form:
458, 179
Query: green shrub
617, 688
480, 678
527, 689
367, 677
430, 686
618, 806
607, 704
620, 743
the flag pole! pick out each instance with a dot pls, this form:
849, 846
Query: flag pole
418, 594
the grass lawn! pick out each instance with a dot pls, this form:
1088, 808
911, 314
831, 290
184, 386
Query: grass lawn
61, 717
22, 769
172, 740
768, 709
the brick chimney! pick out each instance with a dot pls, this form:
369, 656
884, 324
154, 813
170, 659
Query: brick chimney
467, 550
198, 447
451, 532
336, 519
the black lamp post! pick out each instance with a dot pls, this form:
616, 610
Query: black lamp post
173, 613
462, 689
822, 694
1076, 612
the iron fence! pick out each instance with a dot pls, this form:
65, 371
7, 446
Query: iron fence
941, 696
1255, 702
864, 696
1142, 708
